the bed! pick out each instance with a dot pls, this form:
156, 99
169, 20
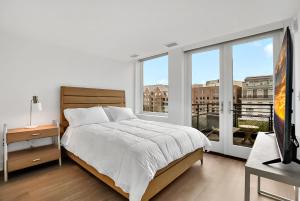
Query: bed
76, 97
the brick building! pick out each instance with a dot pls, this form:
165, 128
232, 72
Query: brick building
156, 98
207, 95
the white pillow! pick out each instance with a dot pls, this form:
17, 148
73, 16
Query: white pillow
106, 110
121, 113
84, 116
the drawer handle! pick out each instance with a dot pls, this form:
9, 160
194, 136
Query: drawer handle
35, 134
36, 160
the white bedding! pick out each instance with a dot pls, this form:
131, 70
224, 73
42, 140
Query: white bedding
132, 151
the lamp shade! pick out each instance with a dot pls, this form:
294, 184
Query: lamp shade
36, 105
39, 106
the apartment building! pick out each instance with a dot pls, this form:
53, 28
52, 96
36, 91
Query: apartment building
156, 98
206, 96
257, 91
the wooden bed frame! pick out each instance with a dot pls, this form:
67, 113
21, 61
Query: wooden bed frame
75, 97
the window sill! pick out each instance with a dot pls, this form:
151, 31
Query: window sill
153, 114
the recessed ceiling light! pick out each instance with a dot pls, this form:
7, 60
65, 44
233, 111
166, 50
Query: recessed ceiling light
134, 56
171, 44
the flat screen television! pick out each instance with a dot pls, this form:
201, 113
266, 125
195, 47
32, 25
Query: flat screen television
283, 127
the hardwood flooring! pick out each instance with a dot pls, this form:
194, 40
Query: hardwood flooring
219, 179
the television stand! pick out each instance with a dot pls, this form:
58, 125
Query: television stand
264, 148
294, 148
277, 160
297, 161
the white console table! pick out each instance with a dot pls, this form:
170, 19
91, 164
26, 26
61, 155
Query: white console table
265, 149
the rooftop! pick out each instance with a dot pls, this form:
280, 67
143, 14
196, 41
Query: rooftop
266, 77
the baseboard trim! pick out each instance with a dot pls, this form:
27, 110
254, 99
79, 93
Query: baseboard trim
226, 156
1, 168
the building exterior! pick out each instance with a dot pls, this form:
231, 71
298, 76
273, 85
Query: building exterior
250, 93
257, 90
155, 98
206, 96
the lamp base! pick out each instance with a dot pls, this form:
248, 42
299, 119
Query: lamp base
31, 126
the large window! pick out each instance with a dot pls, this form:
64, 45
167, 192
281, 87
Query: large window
155, 96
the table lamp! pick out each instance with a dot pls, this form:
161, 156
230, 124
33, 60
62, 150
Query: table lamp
34, 103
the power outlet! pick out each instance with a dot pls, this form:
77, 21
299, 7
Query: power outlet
298, 96
295, 25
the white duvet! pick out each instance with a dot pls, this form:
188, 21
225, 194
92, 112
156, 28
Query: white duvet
132, 151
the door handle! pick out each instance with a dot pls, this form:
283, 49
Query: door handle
222, 107
229, 107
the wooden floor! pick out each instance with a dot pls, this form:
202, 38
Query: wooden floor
218, 179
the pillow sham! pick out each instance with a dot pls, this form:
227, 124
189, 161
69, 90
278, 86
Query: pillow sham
121, 113
85, 116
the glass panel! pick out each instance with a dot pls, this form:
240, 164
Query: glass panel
252, 90
156, 84
205, 93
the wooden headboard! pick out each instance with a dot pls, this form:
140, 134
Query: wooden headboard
77, 97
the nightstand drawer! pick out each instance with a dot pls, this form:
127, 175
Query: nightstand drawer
31, 134
30, 157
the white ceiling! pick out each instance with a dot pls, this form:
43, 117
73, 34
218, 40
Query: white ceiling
119, 28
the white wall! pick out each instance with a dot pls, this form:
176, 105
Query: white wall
29, 67
297, 75
176, 86
296, 78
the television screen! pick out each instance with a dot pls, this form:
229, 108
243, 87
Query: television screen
283, 93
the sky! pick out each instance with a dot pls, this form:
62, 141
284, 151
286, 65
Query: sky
156, 71
249, 59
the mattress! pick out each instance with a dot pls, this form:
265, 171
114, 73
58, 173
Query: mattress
131, 151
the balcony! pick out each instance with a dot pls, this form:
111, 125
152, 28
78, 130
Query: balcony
257, 96
247, 121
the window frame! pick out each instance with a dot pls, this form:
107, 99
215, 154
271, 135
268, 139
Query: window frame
149, 113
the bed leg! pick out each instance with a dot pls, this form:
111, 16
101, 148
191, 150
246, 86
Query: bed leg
201, 161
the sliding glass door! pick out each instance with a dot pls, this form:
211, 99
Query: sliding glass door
232, 92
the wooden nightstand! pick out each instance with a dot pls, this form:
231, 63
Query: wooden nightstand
35, 155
